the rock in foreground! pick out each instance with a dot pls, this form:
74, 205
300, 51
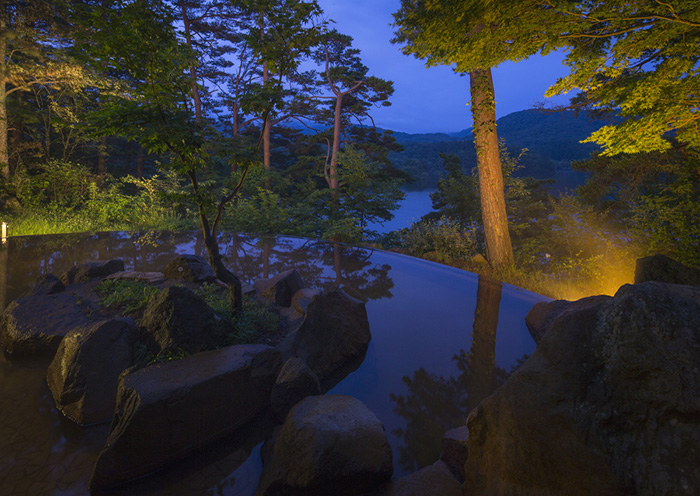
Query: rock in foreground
607, 405
166, 411
84, 374
327, 445
35, 324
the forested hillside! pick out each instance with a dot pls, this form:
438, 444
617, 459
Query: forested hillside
551, 138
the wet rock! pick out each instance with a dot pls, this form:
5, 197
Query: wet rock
168, 410
84, 373
295, 382
541, 317
35, 324
433, 480
661, 268
335, 330
454, 450
149, 277
176, 318
191, 268
607, 405
302, 298
89, 270
327, 445
47, 284
281, 288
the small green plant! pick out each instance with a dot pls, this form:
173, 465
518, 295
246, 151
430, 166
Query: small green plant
128, 295
254, 320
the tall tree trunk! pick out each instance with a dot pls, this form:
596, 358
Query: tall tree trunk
499, 250
267, 155
4, 154
333, 182
196, 98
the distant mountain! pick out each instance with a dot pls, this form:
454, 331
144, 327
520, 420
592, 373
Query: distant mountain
552, 139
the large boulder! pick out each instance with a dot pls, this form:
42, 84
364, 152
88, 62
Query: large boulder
176, 318
191, 268
543, 314
327, 445
335, 329
36, 323
168, 410
661, 268
84, 373
90, 270
281, 288
606, 405
295, 382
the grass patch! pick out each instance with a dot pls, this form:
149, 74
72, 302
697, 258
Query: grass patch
127, 295
254, 321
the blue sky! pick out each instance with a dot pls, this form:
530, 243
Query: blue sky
433, 99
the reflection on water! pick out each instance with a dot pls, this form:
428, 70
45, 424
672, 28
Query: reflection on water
416, 376
435, 404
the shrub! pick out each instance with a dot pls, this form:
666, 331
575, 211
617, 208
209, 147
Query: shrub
446, 237
128, 295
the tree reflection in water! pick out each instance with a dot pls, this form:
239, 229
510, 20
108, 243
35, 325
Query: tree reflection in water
435, 404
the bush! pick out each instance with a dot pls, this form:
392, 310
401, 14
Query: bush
446, 237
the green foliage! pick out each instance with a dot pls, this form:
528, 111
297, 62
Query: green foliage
124, 294
640, 59
253, 321
654, 196
447, 238
64, 185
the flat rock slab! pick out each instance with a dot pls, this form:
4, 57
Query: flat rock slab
168, 410
84, 374
149, 277
35, 324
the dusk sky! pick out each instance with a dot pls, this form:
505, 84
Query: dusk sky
434, 99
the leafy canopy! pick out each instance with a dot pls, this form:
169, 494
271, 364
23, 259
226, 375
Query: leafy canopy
639, 58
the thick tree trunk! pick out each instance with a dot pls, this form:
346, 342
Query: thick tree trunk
499, 250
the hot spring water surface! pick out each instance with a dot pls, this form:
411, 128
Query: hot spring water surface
442, 340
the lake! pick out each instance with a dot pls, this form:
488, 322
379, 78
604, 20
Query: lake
429, 362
